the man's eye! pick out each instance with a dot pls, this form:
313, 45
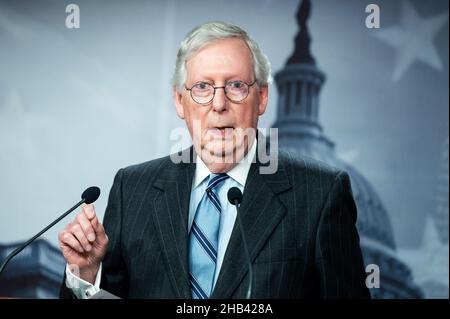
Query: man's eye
236, 85
201, 86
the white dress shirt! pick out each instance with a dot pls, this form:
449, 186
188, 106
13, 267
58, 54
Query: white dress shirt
238, 177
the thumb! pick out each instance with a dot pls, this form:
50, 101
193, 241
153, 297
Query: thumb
99, 230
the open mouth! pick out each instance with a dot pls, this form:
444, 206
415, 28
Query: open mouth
221, 131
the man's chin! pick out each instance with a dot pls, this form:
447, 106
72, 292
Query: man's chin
217, 168
222, 156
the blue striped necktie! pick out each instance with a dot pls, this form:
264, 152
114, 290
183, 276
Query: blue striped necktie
203, 241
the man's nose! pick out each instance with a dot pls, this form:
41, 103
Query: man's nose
220, 100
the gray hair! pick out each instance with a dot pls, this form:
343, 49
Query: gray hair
213, 31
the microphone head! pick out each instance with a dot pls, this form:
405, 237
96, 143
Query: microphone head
235, 196
91, 194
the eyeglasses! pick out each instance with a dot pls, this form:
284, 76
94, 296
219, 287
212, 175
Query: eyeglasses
235, 91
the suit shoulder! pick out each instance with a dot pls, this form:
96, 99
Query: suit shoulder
300, 165
316, 178
146, 168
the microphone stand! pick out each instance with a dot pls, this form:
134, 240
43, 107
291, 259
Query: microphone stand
247, 254
22, 247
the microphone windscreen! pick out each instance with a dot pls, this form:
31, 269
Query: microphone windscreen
91, 194
235, 196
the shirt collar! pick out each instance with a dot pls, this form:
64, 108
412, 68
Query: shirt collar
238, 173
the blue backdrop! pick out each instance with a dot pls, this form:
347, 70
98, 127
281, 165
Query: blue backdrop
78, 104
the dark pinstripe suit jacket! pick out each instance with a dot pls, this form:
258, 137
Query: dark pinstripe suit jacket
299, 224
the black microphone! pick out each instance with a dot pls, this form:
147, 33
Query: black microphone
235, 198
89, 196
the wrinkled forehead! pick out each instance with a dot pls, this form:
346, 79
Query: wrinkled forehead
230, 56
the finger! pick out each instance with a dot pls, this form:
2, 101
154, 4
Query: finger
69, 240
77, 231
86, 226
100, 232
94, 222
89, 211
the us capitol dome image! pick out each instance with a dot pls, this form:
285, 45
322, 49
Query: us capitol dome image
299, 84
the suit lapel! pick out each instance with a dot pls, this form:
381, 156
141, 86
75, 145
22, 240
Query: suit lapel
261, 211
171, 218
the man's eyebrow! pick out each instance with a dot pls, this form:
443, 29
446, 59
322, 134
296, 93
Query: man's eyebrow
205, 81
230, 79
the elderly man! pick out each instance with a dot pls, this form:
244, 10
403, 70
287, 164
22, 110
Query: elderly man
169, 230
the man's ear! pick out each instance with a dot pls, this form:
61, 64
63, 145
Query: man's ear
263, 99
177, 100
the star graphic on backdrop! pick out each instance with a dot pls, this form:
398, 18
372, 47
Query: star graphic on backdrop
413, 39
441, 193
429, 262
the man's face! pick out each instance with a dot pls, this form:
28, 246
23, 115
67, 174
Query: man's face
218, 128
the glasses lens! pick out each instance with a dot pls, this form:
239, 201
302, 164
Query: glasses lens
237, 91
202, 92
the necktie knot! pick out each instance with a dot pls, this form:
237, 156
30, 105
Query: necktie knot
215, 179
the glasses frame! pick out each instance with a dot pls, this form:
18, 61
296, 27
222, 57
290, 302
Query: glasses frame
219, 87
